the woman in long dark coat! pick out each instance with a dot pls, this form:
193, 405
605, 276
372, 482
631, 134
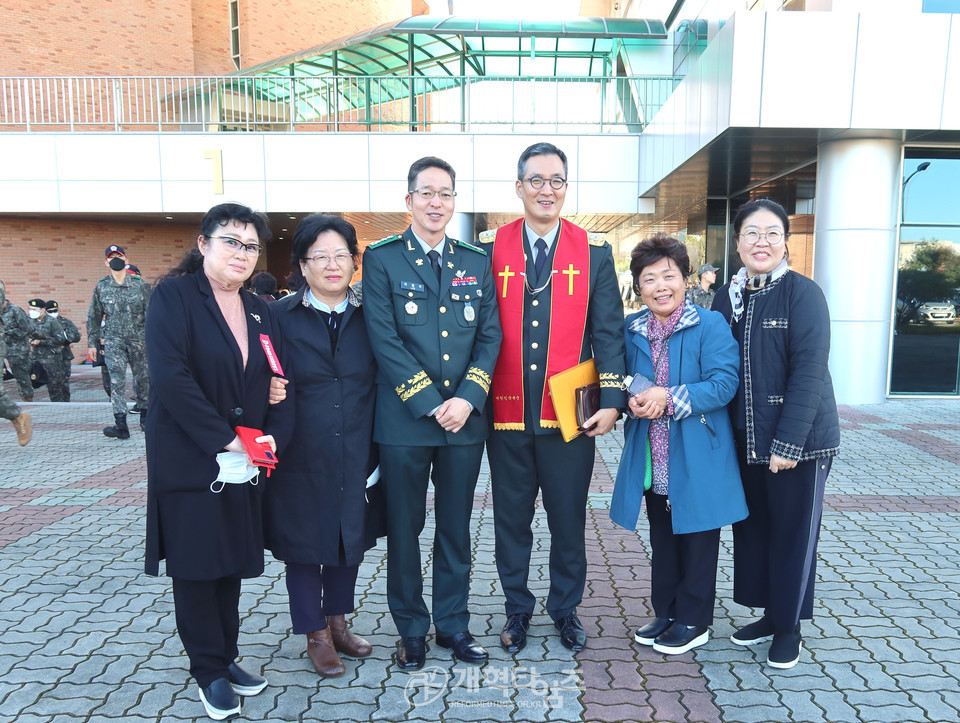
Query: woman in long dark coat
208, 375
315, 501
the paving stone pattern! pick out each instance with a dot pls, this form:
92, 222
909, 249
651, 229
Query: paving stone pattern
88, 637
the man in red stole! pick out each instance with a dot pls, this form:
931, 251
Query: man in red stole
559, 304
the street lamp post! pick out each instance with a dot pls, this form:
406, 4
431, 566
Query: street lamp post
903, 189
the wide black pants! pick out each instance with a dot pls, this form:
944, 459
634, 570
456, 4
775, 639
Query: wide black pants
406, 472
522, 464
775, 547
208, 620
683, 570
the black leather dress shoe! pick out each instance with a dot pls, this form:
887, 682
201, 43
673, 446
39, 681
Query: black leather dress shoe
464, 647
571, 632
513, 639
411, 653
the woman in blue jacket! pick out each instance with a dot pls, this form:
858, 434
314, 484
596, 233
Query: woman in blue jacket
787, 429
678, 436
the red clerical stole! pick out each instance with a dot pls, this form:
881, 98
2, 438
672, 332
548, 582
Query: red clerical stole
569, 296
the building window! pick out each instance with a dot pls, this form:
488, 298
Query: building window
926, 342
235, 33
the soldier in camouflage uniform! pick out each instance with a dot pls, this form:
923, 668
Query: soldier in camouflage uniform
71, 335
120, 303
46, 340
702, 294
17, 336
9, 409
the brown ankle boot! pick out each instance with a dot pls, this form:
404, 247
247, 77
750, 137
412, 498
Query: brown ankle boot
24, 428
323, 655
344, 640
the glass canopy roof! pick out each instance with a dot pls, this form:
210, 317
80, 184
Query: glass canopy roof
451, 46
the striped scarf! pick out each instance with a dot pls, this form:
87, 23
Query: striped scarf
658, 334
741, 281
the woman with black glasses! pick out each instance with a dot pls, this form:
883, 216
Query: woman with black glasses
209, 374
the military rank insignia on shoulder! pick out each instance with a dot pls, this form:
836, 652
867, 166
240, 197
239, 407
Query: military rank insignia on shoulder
595, 240
385, 241
472, 247
488, 236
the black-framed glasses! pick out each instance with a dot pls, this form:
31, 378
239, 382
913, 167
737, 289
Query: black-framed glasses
236, 244
774, 236
427, 194
556, 183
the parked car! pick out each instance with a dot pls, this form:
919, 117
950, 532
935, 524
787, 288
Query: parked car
942, 310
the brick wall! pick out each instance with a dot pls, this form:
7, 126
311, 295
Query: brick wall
96, 37
270, 29
176, 37
63, 259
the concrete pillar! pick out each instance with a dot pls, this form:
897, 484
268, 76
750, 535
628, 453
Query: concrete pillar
855, 255
461, 227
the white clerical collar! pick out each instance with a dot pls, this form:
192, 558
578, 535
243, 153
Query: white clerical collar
317, 304
427, 248
549, 237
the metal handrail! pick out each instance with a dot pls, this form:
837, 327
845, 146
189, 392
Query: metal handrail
479, 104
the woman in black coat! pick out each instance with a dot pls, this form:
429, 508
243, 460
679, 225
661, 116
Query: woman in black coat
315, 502
785, 426
208, 375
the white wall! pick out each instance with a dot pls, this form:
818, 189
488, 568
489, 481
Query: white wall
175, 173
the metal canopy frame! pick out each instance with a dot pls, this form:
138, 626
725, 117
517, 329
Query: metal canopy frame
452, 46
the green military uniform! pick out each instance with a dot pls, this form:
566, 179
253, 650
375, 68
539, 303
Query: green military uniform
700, 297
121, 309
433, 341
16, 333
8, 408
71, 335
528, 454
48, 332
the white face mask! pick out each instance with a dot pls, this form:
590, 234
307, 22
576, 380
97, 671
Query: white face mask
34, 313
53, 314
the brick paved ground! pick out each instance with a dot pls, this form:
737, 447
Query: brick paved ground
87, 637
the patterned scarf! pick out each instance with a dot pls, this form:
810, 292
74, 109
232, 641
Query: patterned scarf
741, 281
658, 334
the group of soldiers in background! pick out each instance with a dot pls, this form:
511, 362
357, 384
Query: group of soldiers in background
38, 341
38, 347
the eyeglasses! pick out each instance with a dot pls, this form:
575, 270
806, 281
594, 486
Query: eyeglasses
235, 245
774, 236
556, 183
323, 261
427, 194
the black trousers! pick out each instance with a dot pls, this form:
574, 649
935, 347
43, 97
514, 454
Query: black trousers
775, 548
316, 591
208, 620
406, 471
683, 571
522, 464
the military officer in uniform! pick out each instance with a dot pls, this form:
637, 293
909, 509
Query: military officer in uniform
433, 327
702, 294
46, 343
8, 408
559, 304
71, 335
116, 316
16, 333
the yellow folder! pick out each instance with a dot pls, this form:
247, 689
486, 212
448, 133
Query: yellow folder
563, 391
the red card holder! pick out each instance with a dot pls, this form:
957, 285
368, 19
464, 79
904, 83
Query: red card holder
259, 453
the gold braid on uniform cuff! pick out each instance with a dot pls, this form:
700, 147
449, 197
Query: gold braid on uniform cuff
417, 383
610, 380
480, 378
